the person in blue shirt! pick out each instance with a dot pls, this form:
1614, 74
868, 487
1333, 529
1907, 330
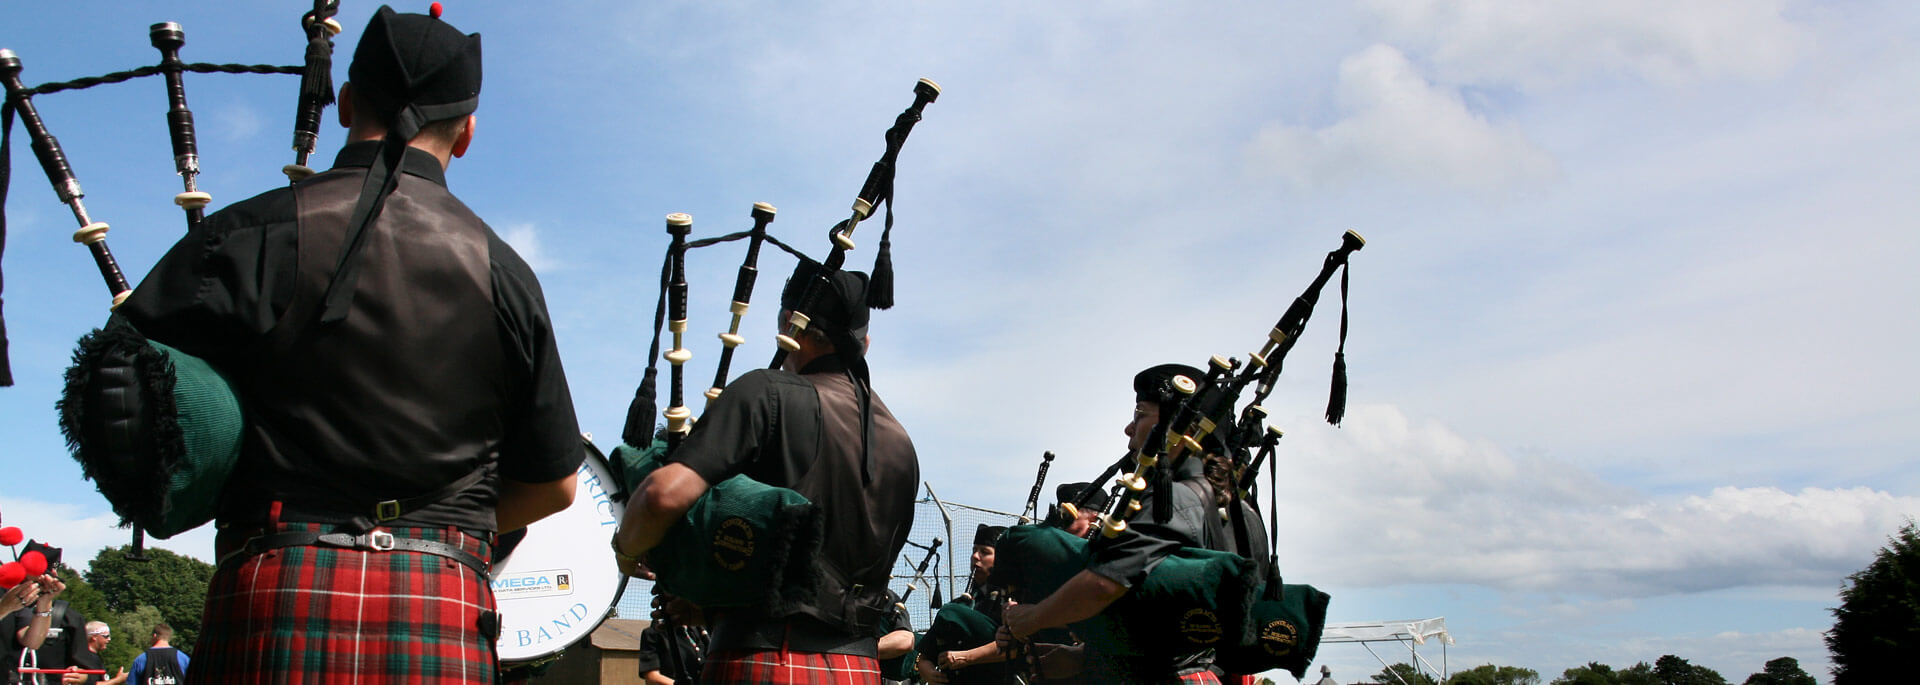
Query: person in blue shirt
161, 664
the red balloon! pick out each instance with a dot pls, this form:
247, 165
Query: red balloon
11, 535
35, 562
11, 574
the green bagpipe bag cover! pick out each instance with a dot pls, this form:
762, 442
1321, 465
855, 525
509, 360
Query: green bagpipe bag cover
1286, 632
1033, 561
1194, 599
158, 430
743, 543
956, 626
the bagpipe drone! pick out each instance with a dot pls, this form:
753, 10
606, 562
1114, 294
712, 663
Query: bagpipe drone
156, 429
742, 533
1198, 598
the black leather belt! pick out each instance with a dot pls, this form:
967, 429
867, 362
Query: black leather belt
374, 541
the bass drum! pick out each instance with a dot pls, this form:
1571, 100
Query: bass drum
561, 581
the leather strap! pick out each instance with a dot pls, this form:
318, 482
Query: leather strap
374, 541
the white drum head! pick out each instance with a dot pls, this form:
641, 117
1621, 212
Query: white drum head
562, 580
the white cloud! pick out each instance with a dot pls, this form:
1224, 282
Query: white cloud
1548, 43
525, 239
1393, 501
82, 531
1400, 125
237, 122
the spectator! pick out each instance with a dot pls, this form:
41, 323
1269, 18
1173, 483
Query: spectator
161, 664
53, 631
98, 635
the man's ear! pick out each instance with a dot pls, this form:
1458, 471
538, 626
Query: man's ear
344, 106
465, 138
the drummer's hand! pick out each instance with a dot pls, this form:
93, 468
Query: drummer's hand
50, 587
19, 597
927, 670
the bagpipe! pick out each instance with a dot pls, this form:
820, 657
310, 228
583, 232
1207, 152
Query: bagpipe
1199, 598
742, 533
155, 428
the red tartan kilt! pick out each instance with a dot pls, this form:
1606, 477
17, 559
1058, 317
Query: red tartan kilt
1200, 677
777, 667
325, 614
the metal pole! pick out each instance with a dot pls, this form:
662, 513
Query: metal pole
948, 524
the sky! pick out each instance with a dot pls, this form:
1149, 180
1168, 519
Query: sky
1630, 340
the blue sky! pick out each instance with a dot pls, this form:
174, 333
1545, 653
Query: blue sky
1630, 351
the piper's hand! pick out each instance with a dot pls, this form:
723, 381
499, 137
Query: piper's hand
680, 610
950, 661
928, 672
1019, 620
1009, 645
72, 677
1059, 662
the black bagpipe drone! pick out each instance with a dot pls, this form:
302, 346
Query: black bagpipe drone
136, 413
743, 533
1197, 598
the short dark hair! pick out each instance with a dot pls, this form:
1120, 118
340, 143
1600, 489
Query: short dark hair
162, 631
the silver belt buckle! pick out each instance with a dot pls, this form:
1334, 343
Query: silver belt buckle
380, 541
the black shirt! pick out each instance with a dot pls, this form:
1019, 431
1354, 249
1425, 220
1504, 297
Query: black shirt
866, 499
66, 638
445, 365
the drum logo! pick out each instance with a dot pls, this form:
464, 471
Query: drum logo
1278, 637
733, 543
533, 584
1200, 626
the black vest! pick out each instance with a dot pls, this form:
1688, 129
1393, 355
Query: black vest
403, 397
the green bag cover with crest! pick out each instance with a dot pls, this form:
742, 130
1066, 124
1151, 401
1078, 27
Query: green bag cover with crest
1192, 600
1286, 632
157, 430
744, 543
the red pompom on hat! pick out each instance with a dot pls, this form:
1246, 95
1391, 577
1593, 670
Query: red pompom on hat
34, 562
11, 574
11, 535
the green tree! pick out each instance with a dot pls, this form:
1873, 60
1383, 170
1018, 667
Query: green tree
1782, 671
176, 585
1403, 674
1673, 670
1594, 673
1489, 674
1876, 628
130, 632
1638, 674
